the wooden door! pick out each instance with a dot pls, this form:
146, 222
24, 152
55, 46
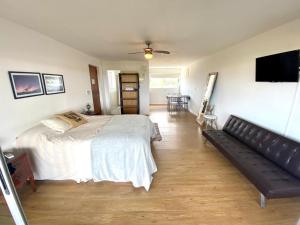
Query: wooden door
95, 89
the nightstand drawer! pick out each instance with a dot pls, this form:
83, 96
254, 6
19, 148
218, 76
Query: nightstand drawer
23, 172
19, 177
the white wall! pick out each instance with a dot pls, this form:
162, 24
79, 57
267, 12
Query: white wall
268, 104
22, 49
159, 95
293, 128
141, 67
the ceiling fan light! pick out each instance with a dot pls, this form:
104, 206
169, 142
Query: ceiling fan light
148, 55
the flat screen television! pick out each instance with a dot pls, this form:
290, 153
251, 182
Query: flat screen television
282, 67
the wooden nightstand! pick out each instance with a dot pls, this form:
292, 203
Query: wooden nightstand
23, 172
90, 113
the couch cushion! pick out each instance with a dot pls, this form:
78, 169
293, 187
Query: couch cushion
269, 178
281, 150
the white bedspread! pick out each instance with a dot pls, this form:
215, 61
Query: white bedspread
125, 141
68, 156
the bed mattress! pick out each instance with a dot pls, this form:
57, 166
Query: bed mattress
67, 156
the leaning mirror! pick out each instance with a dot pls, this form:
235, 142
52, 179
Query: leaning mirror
211, 81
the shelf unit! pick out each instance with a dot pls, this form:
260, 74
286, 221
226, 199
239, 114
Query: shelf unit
129, 93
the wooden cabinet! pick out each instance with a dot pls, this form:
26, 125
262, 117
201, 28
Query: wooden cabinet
129, 93
23, 172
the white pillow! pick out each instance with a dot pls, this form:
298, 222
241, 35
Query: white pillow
56, 124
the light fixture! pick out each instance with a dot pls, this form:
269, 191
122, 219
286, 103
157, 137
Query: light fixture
148, 53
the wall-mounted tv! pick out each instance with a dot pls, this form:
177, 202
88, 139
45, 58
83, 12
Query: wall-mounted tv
282, 67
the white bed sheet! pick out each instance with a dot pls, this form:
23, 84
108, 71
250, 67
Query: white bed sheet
121, 151
67, 156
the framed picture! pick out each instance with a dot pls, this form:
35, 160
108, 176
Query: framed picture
26, 84
54, 83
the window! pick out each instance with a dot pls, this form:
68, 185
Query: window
164, 82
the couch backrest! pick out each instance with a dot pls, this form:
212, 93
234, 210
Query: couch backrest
281, 150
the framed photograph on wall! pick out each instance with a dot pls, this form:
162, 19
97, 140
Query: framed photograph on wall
26, 84
54, 83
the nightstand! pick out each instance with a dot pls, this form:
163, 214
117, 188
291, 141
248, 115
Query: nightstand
90, 113
23, 172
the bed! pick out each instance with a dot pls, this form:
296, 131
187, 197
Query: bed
112, 148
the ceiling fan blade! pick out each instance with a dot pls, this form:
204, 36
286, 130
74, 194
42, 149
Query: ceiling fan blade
161, 51
136, 53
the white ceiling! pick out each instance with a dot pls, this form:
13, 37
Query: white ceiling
109, 29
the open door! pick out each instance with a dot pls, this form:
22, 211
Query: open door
95, 89
10, 196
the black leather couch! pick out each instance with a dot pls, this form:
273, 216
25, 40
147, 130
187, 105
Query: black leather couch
269, 160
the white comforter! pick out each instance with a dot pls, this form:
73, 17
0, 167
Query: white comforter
68, 156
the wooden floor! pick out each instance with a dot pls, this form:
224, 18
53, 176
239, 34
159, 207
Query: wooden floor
194, 185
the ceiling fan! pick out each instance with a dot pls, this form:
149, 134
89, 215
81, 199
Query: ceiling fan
148, 52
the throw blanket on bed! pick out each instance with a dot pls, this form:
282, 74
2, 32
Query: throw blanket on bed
121, 151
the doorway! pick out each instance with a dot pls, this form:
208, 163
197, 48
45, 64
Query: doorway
113, 95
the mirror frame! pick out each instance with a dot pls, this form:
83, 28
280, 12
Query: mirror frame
205, 102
